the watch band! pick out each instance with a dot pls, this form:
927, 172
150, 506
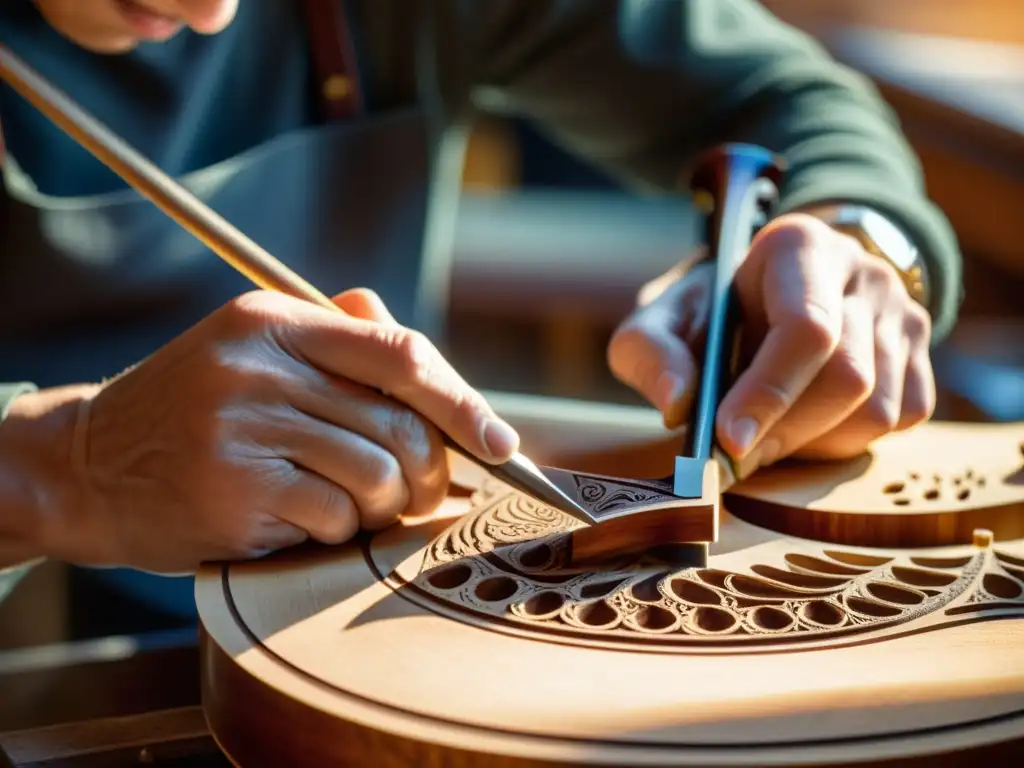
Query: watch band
880, 237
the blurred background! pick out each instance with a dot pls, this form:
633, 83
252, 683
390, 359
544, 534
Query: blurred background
954, 72
550, 254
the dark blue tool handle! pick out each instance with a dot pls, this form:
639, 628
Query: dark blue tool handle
737, 184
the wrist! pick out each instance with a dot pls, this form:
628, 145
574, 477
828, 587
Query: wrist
881, 237
43, 505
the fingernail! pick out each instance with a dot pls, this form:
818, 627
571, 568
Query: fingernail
500, 439
668, 391
743, 432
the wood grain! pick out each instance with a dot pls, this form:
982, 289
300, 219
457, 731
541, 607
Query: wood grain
929, 486
450, 641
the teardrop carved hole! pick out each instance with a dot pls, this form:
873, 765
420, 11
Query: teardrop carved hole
1015, 572
536, 556
496, 589
892, 593
599, 589
598, 614
771, 619
696, 594
817, 565
751, 587
713, 576
857, 559
901, 502
711, 619
921, 578
655, 618
1007, 558
647, 591
822, 612
931, 494
999, 586
451, 577
871, 608
801, 580
941, 562
894, 488
963, 494
543, 604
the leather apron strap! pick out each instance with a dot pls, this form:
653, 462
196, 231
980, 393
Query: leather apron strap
338, 83
336, 69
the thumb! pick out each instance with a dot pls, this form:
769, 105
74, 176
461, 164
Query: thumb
648, 353
365, 305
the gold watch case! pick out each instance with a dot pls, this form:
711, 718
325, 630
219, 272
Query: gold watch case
882, 238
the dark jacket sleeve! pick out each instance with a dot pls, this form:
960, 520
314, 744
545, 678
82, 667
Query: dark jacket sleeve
10, 575
641, 87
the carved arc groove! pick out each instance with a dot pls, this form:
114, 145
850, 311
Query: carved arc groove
500, 564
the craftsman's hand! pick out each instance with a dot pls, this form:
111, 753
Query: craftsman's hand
259, 428
837, 351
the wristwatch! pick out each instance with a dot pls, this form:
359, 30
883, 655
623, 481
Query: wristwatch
880, 237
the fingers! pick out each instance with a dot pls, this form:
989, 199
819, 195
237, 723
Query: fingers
878, 380
364, 304
319, 507
651, 351
415, 444
370, 476
919, 394
802, 282
844, 384
402, 363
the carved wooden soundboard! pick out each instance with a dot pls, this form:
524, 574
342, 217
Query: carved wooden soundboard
458, 641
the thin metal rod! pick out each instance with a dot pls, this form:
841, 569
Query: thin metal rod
147, 179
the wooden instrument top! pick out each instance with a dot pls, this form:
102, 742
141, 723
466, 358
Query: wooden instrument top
459, 636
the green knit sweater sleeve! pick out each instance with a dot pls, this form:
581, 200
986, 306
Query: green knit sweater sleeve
642, 87
11, 575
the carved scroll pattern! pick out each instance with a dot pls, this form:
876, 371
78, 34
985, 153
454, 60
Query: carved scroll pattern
500, 562
604, 496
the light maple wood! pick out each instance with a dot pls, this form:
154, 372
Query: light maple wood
452, 641
931, 486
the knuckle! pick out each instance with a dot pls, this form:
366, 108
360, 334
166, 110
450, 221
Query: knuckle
253, 309
886, 277
918, 409
415, 355
917, 322
791, 232
338, 520
406, 429
853, 377
881, 413
242, 371
818, 329
381, 472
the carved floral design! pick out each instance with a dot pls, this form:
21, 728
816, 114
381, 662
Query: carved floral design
501, 564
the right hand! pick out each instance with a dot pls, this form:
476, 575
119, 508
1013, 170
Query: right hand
264, 425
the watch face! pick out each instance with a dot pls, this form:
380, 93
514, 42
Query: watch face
889, 240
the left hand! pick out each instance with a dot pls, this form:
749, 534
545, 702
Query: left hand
839, 350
